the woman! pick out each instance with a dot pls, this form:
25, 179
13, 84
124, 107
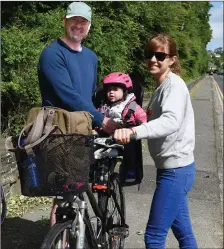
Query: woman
171, 139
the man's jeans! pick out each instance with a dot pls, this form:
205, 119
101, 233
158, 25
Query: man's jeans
169, 208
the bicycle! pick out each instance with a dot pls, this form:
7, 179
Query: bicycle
3, 205
107, 229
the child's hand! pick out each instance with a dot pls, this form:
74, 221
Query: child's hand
94, 132
109, 126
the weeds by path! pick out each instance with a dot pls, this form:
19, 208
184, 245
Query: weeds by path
18, 205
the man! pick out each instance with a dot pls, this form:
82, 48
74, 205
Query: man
67, 71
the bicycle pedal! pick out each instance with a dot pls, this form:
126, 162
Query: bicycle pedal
119, 232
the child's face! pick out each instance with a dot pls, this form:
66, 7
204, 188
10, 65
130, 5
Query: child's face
114, 93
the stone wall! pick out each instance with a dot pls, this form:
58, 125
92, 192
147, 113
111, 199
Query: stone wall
9, 174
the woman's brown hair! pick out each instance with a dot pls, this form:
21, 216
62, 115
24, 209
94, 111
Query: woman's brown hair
162, 40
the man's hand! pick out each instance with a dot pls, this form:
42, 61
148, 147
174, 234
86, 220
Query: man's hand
122, 136
109, 126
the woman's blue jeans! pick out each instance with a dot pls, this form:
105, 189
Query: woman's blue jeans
169, 208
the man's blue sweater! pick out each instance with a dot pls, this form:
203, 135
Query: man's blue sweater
67, 79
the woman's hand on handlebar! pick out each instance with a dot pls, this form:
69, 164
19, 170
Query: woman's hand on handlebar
123, 136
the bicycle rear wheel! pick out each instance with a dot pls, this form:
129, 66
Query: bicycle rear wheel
60, 237
113, 208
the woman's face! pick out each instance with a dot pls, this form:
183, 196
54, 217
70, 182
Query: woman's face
114, 93
159, 61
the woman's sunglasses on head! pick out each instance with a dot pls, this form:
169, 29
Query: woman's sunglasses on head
160, 56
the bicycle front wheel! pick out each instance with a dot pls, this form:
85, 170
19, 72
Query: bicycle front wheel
60, 237
113, 208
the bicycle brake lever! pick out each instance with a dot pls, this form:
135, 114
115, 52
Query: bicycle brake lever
110, 141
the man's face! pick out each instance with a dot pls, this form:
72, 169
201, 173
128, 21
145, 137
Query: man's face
76, 28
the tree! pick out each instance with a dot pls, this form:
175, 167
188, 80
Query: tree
119, 32
219, 51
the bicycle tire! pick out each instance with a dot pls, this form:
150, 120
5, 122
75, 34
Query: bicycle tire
104, 205
58, 228
3, 206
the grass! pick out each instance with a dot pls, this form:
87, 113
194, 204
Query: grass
18, 205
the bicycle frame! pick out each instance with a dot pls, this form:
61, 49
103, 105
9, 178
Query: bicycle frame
95, 205
73, 207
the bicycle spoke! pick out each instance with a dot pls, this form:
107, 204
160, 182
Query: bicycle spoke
60, 237
114, 211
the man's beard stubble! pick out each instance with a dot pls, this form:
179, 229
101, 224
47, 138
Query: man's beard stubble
74, 38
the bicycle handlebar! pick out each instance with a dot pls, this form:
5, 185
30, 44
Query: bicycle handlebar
133, 137
110, 142
109, 147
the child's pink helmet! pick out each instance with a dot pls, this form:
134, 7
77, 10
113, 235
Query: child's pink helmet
118, 78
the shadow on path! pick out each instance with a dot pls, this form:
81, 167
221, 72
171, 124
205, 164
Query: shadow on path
22, 234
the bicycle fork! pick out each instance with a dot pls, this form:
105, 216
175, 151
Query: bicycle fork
78, 225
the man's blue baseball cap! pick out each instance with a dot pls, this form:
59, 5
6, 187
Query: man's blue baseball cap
79, 9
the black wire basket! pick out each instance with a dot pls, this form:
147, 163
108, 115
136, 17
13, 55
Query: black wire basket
61, 165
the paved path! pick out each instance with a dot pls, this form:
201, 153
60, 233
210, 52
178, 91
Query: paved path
204, 200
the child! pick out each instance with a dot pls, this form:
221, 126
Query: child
120, 106
120, 102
